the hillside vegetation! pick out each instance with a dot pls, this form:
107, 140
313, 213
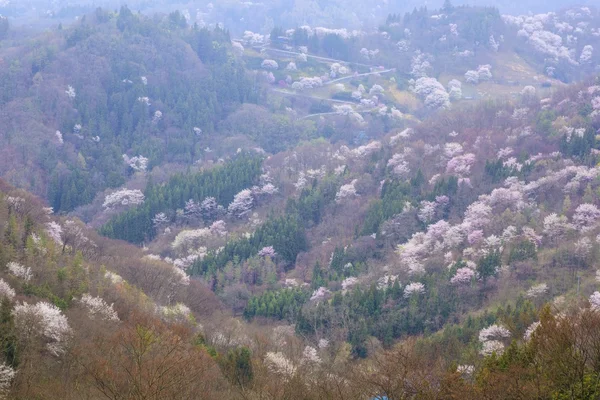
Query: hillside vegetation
412, 212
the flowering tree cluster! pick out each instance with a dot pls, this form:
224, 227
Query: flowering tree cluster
482, 73
432, 92
70, 92
455, 89
123, 197
595, 300
19, 271
43, 319
98, 308
269, 64
537, 290
189, 239
242, 203
268, 251
346, 191
6, 291
321, 293
307, 83
177, 313
461, 165
137, 163
413, 289
279, 364
491, 337
463, 276
586, 216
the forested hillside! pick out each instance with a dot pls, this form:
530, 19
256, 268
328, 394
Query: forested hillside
306, 212
87, 106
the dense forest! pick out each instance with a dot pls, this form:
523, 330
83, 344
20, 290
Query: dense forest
282, 210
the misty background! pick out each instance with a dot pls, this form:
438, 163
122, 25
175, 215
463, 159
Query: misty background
259, 16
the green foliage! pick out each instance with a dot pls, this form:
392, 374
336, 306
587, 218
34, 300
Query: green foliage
222, 183
488, 265
578, 147
544, 122
237, 366
311, 204
8, 339
279, 304
497, 172
522, 251
394, 195
286, 235
382, 313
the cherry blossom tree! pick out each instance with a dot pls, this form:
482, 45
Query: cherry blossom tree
160, 220
320, 294
6, 291
279, 364
493, 332
586, 54
188, 239
218, 228
595, 301
98, 308
54, 231
238, 48
463, 276
530, 330
346, 191
269, 64
242, 203
209, 208
19, 271
310, 356
586, 216
491, 337
427, 211
123, 197
461, 165
137, 163
455, 90
176, 313
43, 319
490, 347
413, 288
349, 282
7, 375
555, 227
157, 117
268, 251
537, 290
70, 92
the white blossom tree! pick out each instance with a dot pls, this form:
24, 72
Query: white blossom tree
123, 197
586, 54
6, 291
455, 90
242, 203
20, 271
98, 308
46, 320
269, 64
463, 276
586, 216
70, 92
7, 375
413, 288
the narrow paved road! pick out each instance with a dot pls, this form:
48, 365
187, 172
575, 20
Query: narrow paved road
356, 76
333, 60
288, 93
